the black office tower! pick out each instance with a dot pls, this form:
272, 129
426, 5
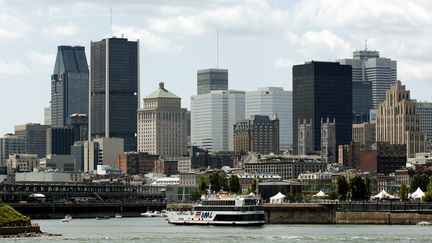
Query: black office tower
114, 90
323, 90
211, 79
69, 85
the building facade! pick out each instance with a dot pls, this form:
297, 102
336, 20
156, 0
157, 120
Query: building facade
273, 101
162, 124
305, 138
372, 76
364, 134
398, 122
328, 141
11, 144
114, 90
213, 116
424, 109
69, 84
258, 134
22, 162
321, 90
35, 138
211, 79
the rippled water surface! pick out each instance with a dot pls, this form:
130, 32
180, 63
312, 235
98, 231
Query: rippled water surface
158, 230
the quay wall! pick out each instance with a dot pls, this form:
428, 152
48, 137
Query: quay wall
85, 210
16, 230
316, 213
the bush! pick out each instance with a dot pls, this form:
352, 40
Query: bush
9, 216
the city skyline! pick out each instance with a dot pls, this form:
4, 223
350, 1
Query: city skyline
181, 38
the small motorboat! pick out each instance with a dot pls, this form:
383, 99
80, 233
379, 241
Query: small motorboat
102, 218
118, 215
147, 214
67, 218
424, 223
156, 214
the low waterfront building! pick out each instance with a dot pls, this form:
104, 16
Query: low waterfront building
286, 167
246, 180
269, 189
43, 176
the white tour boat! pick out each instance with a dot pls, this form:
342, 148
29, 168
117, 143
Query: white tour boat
219, 209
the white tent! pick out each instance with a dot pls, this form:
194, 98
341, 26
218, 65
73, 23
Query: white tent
418, 194
383, 195
320, 194
278, 198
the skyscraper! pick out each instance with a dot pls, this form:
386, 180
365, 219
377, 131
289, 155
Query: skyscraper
69, 84
162, 124
273, 101
211, 79
372, 76
213, 116
114, 90
323, 90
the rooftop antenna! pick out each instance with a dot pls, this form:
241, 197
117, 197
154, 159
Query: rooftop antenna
365, 44
217, 48
111, 22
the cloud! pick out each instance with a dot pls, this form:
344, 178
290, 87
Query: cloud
12, 26
60, 31
42, 59
319, 44
284, 63
150, 42
12, 68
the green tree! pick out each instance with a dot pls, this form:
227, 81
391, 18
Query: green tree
419, 180
214, 181
196, 195
403, 191
341, 187
367, 183
253, 186
203, 184
223, 183
234, 184
357, 188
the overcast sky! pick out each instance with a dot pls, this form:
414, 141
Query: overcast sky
259, 42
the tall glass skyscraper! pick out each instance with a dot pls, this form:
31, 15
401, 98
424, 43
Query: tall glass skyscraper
211, 79
69, 84
323, 90
114, 90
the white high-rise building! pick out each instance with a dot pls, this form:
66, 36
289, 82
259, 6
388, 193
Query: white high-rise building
47, 115
213, 116
273, 101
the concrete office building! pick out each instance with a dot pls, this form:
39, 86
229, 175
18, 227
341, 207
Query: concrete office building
372, 76
162, 124
398, 121
77, 152
11, 144
323, 90
211, 79
364, 134
213, 116
424, 109
69, 84
35, 138
114, 90
61, 162
47, 115
271, 101
109, 150
22, 162
258, 134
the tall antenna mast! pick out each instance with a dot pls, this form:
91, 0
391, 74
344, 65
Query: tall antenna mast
111, 25
217, 48
365, 44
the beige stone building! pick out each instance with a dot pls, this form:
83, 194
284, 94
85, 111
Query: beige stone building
398, 122
162, 124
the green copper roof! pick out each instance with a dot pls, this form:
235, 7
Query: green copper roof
161, 92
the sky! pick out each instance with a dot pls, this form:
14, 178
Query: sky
259, 41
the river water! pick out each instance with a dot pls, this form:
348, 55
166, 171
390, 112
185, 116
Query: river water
158, 230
